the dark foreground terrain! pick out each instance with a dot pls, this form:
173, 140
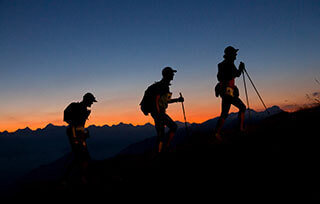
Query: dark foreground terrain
276, 160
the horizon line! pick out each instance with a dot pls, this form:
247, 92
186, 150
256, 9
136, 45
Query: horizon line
35, 129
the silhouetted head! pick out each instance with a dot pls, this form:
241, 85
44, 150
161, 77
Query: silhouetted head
88, 99
230, 53
168, 73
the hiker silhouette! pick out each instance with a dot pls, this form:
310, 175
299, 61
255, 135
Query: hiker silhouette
227, 90
155, 101
76, 115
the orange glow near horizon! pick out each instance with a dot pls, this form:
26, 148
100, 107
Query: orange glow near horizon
197, 111
135, 117
112, 117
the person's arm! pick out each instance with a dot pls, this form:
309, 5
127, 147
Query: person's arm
175, 100
240, 70
74, 138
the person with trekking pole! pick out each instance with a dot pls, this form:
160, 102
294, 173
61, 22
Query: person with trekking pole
227, 90
155, 101
76, 115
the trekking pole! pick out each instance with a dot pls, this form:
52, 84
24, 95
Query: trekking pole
184, 115
245, 89
256, 91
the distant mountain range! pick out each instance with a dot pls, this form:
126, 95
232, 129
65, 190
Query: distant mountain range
25, 149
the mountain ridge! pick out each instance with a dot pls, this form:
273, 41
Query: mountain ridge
121, 124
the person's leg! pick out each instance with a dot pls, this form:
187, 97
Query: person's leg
241, 120
71, 163
69, 167
85, 159
242, 108
74, 169
172, 129
225, 107
159, 125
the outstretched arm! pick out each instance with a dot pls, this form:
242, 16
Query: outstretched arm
175, 100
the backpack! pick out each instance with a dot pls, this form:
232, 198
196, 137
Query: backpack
217, 89
68, 114
147, 103
75, 114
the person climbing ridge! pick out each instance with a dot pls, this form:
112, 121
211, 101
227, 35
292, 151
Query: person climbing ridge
76, 115
155, 101
227, 90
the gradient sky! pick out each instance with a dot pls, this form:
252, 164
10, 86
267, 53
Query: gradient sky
53, 52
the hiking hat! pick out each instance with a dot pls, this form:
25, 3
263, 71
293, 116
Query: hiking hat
230, 50
89, 97
168, 70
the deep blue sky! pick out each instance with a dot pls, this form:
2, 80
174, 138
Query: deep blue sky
52, 52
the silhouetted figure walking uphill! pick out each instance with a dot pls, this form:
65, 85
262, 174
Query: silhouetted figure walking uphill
227, 90
76, 115
155, 101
